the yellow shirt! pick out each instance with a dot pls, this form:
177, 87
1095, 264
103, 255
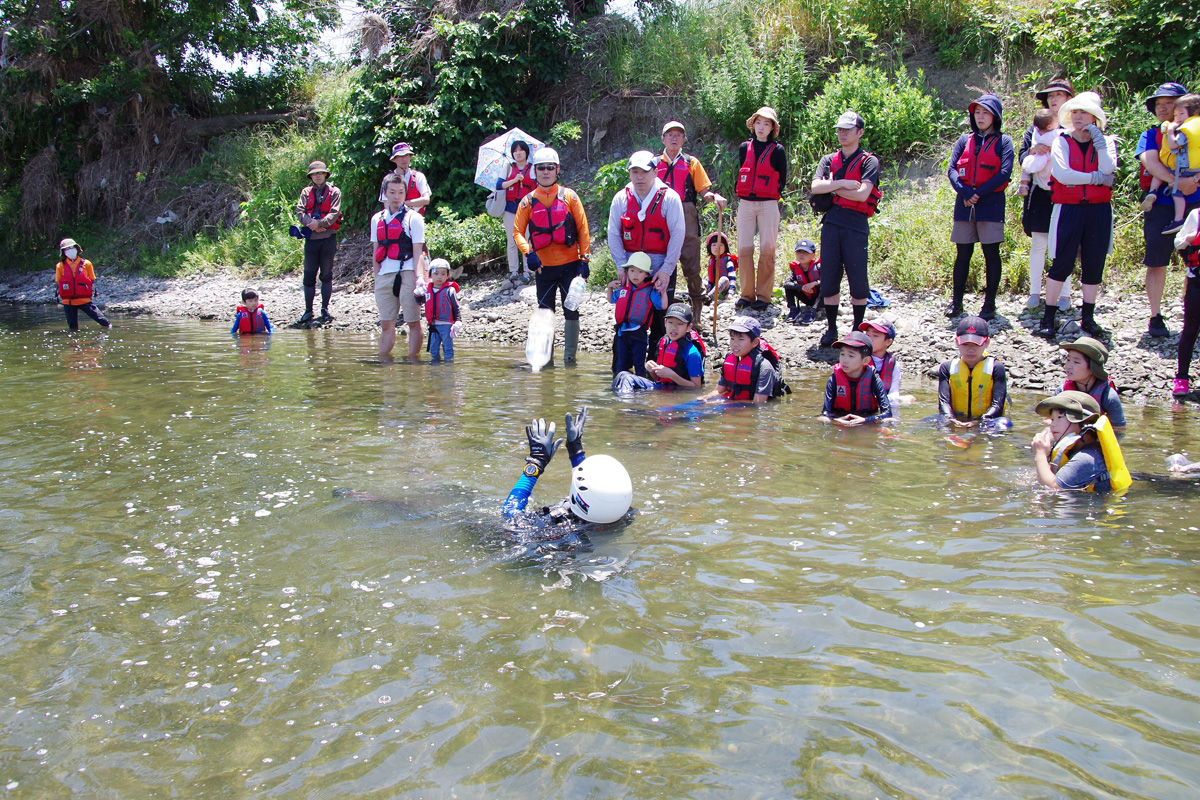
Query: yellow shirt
1191, 129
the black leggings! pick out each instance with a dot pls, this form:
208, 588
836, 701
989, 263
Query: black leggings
1191, 327
90, 309
991, 266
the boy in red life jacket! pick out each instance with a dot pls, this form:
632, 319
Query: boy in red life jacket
722, 268
250, 317
680, 355
750, 373
635, 301
73, 279
882, 333
854, 394
801, 286
441, 311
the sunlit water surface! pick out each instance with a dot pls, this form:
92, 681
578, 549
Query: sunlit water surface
188, 609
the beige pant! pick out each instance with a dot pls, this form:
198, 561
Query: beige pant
515, 260
761, 216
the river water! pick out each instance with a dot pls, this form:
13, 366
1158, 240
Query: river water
189, 608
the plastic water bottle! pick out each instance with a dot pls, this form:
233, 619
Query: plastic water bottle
540, 343
1179, 460
575, 294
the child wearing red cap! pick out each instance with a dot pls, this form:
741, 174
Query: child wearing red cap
882, 333
973, 388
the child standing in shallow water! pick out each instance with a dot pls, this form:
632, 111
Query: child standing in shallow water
250, 316
73, 280
441, 310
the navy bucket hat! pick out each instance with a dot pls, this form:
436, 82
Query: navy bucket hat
1171, 89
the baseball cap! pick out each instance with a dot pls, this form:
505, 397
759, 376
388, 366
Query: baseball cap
639, 260
402, 149
849, 119
679, 311
643, 160
439, 263
973, 330
855, 340
805, 246
746, 325
881, 325
673, 124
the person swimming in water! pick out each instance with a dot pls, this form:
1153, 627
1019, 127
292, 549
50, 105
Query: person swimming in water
601, 492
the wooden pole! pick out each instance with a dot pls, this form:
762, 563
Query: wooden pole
717, 272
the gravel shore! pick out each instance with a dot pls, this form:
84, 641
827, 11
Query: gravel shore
1141, 366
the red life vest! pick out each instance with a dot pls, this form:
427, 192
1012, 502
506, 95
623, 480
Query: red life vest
863, 402
437, 303
759, 178
730, 270
853, 172
673, 355
75, 284
802, 276
987, 161
553, 225
1191, 257
742, 373
678, 176
1144, 177
634, 304
887, 368
318, 207
649, 235
252, 323
412, 192
1080, 162
522, 187
392, 241
1099, 389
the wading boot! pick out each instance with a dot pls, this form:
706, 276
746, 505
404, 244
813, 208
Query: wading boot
570, 341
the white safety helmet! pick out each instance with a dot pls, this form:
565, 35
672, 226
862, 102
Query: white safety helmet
545, 155
600, 490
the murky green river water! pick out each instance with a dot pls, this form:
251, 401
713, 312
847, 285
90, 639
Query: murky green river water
188, 610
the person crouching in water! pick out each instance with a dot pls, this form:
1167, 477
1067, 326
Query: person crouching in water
1085, 370
1078, 449
854, 394
751, 373
680, 363
973, 388
73, 280
251, 317
601, 491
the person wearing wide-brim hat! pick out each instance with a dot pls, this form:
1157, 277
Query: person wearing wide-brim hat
319, 211
1083, 163
416, 188
74, 276
760, 182
1066, 457
1037, 208
1158, 207
1086, 371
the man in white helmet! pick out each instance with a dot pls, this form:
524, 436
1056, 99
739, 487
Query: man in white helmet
601, 491
558, 246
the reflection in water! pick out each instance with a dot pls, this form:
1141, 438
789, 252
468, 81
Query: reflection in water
187, 608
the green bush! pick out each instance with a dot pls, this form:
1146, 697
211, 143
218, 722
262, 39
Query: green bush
604, 269
465, 241
901, 118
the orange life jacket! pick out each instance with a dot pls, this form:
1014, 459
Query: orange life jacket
1080, 162
649, 235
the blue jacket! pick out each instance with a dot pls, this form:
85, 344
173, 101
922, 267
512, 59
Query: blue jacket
990, 207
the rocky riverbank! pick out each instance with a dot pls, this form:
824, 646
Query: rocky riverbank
1141, 366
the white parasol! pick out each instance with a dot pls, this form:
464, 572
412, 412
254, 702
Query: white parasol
494, 158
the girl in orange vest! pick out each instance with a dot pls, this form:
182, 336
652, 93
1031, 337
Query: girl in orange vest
73, 279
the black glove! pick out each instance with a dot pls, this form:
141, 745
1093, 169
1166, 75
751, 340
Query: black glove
542, 445
575, 433
585, 267
533, 262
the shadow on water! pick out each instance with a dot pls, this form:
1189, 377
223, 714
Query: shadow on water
187, 607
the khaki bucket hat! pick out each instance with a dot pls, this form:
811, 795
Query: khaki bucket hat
766, 112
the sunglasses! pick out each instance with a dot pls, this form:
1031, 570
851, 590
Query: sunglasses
545, 167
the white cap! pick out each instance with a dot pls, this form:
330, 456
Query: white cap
643, 160
673, 124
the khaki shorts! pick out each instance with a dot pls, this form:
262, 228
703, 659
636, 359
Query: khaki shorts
389, 305
966, 232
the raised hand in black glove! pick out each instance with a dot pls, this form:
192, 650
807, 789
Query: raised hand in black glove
542, 445
575, 433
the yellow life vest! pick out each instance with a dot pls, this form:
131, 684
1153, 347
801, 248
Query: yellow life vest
1191, 129
1114, 461
971, 389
